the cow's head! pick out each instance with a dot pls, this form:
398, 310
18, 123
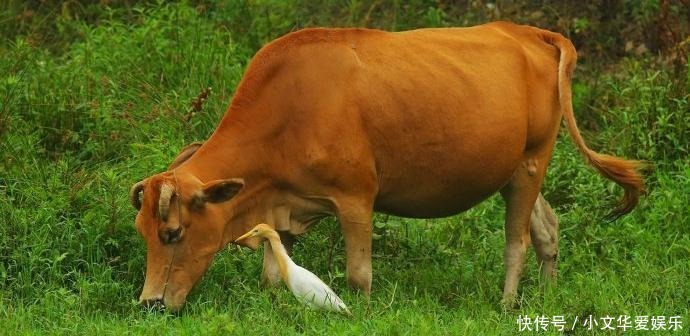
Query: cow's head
182, 221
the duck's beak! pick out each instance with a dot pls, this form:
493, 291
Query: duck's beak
244, 236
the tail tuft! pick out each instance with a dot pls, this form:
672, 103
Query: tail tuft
626, 174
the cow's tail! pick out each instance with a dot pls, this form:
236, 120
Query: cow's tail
623, 172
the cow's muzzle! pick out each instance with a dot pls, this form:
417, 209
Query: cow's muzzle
153, 303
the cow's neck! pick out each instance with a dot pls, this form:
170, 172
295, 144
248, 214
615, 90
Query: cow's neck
251, 149
222, 160
263, 203
249, 207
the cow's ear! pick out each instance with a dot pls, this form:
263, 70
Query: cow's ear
217, 191
185, 154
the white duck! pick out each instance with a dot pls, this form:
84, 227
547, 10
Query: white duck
306, 286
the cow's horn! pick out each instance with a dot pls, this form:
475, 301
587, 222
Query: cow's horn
164, 200
134, 194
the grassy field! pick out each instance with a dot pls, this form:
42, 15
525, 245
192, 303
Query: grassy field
95, 97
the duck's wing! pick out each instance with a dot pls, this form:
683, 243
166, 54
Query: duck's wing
309, 289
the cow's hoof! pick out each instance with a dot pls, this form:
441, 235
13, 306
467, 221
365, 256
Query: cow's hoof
509, 302
269, 282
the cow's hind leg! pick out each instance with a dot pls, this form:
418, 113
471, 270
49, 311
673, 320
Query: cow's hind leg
520, 195
544, 234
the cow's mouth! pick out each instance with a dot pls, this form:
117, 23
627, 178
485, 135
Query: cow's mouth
160, 304
154, 304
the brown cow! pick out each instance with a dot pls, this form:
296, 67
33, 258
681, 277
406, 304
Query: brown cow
344, 122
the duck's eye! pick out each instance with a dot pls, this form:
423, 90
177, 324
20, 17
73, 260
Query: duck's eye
256, 231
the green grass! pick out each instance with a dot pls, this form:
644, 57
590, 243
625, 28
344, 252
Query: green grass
103, 104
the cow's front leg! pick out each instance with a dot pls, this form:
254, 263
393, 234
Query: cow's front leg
270, 275
355, 223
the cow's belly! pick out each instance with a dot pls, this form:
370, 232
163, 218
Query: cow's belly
443, 146
429, 184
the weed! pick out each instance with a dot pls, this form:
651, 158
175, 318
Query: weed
95, 97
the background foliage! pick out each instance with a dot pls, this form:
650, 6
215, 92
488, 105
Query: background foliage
95, 95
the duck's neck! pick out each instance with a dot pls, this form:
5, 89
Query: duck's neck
280, 254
